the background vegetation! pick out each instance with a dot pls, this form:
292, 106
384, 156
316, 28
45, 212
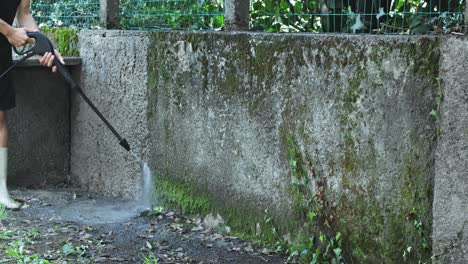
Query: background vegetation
403, 16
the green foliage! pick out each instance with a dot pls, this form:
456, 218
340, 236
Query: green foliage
65, 40
318, 241
21, 242
438, 100
416, 251
150, 259
79, 251
172, 14
315, 249
3, 213
285, 16
66, 13
295, 159
181, 196
17, 252
403, 16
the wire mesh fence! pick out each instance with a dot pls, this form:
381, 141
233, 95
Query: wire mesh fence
357, 16
340, 16
172, 14
66, 13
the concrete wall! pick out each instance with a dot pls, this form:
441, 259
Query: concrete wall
39, 127
114, 77
451, 182
238, 123
262, 120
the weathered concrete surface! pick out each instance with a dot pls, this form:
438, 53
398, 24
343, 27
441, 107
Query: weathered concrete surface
258, 121
114, 78
336, 125
450, 231
39, 127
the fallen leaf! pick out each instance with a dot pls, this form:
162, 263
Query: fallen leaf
148, 245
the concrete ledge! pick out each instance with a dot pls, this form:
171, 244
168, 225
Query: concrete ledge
33, 62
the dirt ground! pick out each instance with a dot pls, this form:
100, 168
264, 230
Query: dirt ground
67, 226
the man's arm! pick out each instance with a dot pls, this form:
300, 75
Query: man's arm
16, 36
5, 28
24, 17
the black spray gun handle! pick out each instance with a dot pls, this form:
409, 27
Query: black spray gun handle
41, 46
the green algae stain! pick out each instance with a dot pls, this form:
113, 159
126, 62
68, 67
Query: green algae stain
360, 214
296, 161
181, 196
190, 199
231, 84
375, 229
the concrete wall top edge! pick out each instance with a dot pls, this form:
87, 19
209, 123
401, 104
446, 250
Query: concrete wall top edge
114, 33
263, 35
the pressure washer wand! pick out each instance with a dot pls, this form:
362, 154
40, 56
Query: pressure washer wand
66, 74
44, 45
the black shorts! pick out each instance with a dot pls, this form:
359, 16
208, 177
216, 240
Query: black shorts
7, 91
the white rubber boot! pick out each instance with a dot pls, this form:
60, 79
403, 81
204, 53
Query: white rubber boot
4, 196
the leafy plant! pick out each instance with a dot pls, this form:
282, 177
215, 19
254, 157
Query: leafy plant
6, 234
70, 249
150, 259
320, 249
81, 252
414, 252
33, 233
325, 249
403, 16
17, 251
65, 39
172, 14
285, 16
3, 213
66, 13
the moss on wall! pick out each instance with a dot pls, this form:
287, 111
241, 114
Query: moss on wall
64, 39
190, 198
331, 192
383, 226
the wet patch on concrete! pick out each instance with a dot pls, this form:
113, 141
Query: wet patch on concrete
79, 207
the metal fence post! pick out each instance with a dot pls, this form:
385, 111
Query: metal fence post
236, 15
109, 14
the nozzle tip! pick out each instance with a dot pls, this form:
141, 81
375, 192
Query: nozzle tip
125, 144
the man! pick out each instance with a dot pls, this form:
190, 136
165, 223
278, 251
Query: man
10, 36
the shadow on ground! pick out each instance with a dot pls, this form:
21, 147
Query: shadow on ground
77, 227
